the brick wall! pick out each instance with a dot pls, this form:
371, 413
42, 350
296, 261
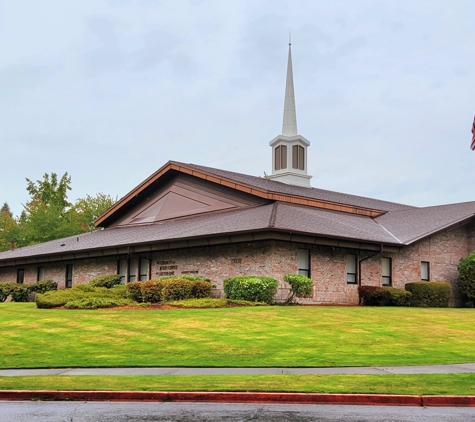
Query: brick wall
275, 259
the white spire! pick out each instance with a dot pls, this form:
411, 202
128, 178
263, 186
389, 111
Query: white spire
289, 126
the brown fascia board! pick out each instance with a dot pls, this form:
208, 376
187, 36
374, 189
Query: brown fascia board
221, 239
252, 190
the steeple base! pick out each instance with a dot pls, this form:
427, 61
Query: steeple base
291, 178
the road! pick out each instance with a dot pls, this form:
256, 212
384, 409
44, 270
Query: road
193, 412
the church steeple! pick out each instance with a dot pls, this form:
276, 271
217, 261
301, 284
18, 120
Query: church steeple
289, 150
289, 125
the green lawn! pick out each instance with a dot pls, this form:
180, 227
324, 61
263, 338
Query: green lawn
457, 384
262, 336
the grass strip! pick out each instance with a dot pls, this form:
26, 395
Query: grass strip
452, 384
278, 336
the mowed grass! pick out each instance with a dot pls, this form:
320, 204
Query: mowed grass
296, 336
456, 384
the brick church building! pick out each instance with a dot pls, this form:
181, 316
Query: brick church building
188, 219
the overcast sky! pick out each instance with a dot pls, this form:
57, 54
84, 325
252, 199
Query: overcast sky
110, 90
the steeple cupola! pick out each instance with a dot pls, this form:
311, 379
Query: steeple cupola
289, 150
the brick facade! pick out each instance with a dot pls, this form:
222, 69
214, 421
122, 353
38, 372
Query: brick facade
276, 258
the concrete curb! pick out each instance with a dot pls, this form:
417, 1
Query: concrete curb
240, 397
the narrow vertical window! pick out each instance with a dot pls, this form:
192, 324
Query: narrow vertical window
277, 158
351, 268
386, 271
20, 276
304, 262
133, 263
280, 157
424, 271
144, 266
40, 274
69, 276
298, 157
121, 269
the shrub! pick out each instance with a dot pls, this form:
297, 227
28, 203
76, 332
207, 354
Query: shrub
201, 289
466, 280
300, 286
252, 288
54, 299
151, 291
399, 297
21, 293
429, 294
94, 303
6, 289
133, 290
107, 281
43, 286
374, 296
177, 289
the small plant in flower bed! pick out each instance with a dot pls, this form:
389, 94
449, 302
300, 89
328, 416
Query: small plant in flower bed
213, 303
429, 294
300, 286
55, 299
107, 281
252, 288
97, 302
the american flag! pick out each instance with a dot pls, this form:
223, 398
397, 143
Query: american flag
472, 147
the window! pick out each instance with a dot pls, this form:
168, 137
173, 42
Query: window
386, 271
298, 157
424, 271
40, 274
122, 269
20, 276
280, 157
304, 262
134, 269
351, 268
69, 276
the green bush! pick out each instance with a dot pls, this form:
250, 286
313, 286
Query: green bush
177, 289
374, 296
133, 290
107, 281
300, 286
151, 290
252, 288
466, 280
55, 299
21, 293
94, 303
429, 294
43, 286
399, 297
201, 289
6, 289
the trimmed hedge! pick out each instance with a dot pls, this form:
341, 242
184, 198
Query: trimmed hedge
300, 286
168, 288
374, 296
429, 294
95, 303
107, 281
55, 299
399, 297
6, 289
43, 286
251, 288
466, 281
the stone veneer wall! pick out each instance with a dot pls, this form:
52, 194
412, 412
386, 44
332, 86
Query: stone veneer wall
275, 259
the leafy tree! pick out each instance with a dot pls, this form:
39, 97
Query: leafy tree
466, 281
89, 208
9, 230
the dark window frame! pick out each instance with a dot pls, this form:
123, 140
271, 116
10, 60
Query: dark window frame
133, 269
20, 275
304, 271
355, 274
428, 270
68, 279
40, 274
387, 278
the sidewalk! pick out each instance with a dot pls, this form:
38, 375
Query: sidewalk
429, 369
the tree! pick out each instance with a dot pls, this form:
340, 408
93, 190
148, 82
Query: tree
9, 230
89, 208
466, 280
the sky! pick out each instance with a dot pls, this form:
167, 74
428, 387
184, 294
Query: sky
110, 90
